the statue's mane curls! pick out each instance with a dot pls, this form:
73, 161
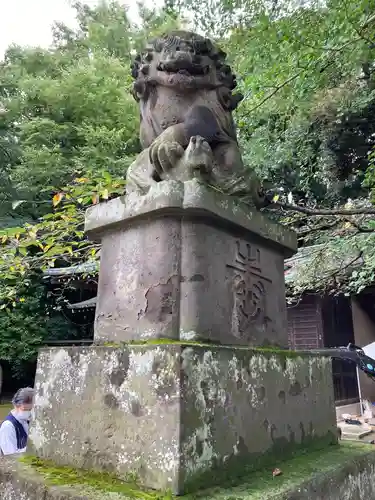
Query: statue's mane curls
200, 48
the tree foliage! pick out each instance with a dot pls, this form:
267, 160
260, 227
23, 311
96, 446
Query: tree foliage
69, 109
57, 237
28, 326
307, 121
68, 131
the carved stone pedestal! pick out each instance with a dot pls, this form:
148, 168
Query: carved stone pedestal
179, 417
185, 262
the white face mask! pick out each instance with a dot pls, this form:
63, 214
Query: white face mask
24, 414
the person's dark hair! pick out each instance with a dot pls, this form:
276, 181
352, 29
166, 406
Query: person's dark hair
24, 396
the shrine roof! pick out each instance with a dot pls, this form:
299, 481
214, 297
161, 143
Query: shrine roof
91, 267
85, 304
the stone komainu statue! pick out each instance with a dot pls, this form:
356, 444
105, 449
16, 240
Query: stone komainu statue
185, 92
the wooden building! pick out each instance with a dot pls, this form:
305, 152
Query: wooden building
317, 321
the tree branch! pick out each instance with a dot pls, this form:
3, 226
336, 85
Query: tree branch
321, 227
276, 89
296, 75
322, 282
346, 266
322, 211
358, 227
359, 30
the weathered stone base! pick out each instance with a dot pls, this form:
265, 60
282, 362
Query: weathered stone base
172, 414
344, 472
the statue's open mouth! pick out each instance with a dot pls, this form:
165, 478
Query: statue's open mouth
183, 66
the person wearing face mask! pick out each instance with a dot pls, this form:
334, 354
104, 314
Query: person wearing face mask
15, 428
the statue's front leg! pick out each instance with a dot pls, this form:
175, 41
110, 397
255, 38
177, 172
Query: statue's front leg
198, 160
142, 174
166, 150
139, 175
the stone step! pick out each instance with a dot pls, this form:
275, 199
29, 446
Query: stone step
354, 432
351, 436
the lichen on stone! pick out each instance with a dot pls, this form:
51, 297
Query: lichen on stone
167, 409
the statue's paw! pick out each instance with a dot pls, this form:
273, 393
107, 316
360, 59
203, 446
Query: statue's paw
199, 145
164, 156
199, 155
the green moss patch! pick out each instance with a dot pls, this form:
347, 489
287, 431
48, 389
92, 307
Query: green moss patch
334, 463
103, 482
238, 467
266, 350
312, 466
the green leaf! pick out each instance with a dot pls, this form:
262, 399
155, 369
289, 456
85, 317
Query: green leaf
107, 177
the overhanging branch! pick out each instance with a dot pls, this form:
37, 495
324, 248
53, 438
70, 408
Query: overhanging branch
322, 211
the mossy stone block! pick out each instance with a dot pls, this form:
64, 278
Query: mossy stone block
179, 417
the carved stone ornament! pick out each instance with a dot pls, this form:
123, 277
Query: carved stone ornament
185, 92
250, 291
